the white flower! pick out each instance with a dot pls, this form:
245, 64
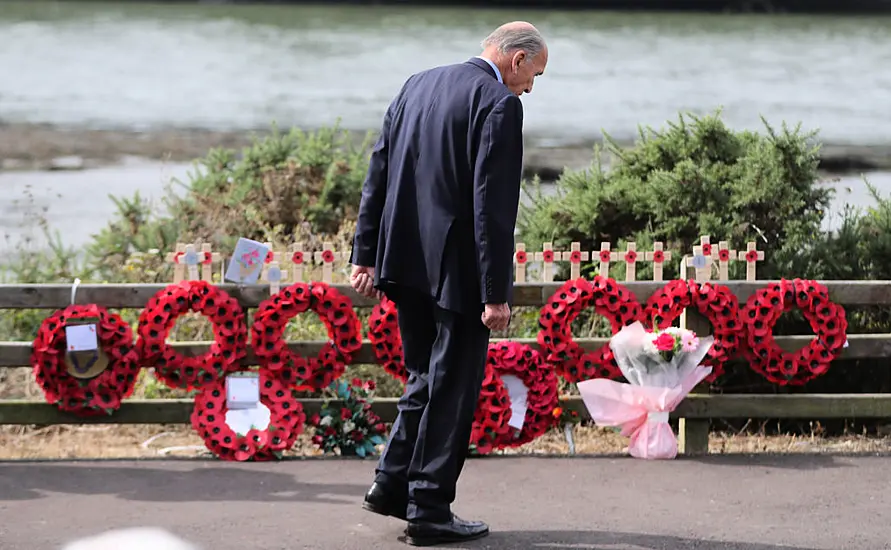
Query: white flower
649, 345
325, 421
674, 331
348, 426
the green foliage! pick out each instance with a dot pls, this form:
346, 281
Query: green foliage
697, 177
297, 183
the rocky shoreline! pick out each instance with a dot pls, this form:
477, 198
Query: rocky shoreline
42, 147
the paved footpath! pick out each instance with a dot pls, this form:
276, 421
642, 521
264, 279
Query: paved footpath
719, 502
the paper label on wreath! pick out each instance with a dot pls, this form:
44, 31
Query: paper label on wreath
247, 262
242, 391
83, 357
81, 337
241, 421
518, 394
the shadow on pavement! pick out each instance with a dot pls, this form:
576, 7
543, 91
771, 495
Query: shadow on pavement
601, 540
200, 484
799, 461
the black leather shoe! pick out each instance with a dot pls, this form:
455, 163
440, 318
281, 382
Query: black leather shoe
383, 502
425, 533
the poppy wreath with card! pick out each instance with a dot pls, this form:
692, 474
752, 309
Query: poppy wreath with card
259, 443
827, 319
610, 299
491, 415
336, 312
101, 394
229, 328
383, 333
526, 364
714, 302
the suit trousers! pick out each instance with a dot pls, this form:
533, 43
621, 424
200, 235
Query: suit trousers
445, 356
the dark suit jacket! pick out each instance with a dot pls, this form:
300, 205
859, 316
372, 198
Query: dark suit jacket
439, 204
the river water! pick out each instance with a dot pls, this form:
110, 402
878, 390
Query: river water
222, 66
145, 66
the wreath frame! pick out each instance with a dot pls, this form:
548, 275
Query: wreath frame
610, 299
192, 372
526, 363
386, 340
826, 318
335, 311
101, 394
714, 302
286, 422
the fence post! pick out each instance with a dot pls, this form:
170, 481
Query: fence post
693, 433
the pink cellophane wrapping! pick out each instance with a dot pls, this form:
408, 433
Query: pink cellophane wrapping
640, 409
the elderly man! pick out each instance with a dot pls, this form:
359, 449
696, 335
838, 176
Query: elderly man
435, 235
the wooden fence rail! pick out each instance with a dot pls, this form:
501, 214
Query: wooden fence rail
694, 412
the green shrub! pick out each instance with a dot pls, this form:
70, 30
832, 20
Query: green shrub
697, 177
281, 187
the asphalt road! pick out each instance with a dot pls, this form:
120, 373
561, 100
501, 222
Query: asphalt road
720, 502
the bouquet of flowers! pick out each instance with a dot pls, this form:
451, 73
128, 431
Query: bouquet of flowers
661, 368
348, 426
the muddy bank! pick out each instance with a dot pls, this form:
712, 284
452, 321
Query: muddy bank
39, 147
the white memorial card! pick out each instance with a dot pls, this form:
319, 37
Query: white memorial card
81, 337
244, 420
518, 393
242, 392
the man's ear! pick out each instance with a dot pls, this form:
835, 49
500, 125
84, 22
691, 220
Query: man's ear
517, 60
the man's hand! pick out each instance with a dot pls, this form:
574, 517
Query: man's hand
496, 316
362, 281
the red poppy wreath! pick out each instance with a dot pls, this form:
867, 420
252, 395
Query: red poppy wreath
383, 333
492, 413
509, 365
161, 313
610, 299
101, 394
261, 433
827, 319
715, 302
336, 312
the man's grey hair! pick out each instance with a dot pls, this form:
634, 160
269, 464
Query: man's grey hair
511, 40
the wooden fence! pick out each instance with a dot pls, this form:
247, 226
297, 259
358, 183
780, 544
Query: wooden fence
694, 413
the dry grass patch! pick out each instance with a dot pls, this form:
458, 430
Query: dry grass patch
145, 441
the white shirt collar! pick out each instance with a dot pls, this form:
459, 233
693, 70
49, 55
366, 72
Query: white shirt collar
494, 68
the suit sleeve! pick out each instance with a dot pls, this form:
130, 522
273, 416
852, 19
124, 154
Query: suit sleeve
496, 197
374, 194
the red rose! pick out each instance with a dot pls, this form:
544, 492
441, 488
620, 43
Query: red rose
357, 383
314, 420
664, 342
329, 431
317, 439
370, 385
357, 436
345, 413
